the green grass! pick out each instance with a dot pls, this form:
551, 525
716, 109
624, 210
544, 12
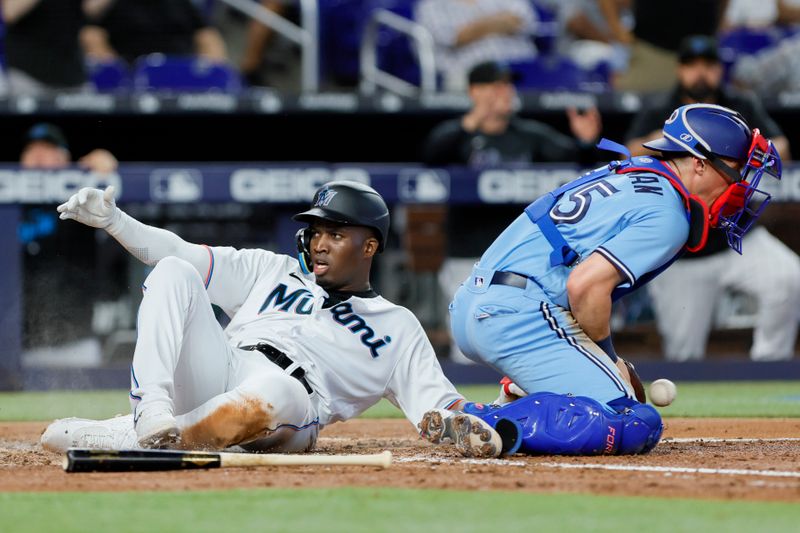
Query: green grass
719, 399
376, 510
16, 406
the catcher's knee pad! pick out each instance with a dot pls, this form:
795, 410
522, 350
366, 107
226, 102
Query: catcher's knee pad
641, 430
559, 424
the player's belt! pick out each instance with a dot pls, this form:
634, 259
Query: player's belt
512, 279
282, 360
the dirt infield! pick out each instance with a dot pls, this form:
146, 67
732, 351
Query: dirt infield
746, 459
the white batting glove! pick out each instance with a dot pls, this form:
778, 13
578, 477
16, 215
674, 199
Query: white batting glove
92, 207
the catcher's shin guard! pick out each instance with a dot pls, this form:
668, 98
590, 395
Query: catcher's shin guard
558, 424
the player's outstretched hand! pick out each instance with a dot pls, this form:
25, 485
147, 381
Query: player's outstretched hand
92, 207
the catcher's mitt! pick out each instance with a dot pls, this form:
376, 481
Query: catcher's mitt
636, 382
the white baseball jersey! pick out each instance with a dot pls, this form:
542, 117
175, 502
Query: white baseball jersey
354, 352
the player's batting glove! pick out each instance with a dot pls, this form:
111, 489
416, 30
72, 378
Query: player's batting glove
92, 207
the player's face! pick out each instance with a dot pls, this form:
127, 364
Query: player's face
496, 98
715, 182
341, 256
700, 78
41, 154
503, 93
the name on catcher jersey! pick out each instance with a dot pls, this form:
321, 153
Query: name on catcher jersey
637, 221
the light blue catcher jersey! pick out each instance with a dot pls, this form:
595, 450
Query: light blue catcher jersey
638, 221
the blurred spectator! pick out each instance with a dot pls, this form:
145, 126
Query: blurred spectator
133, 28
588, 38
42, 47
660, 26
699, 79
770, 71
490, 135
257, 40
760, 13
468, 32
46, 147
61, 261
684, 296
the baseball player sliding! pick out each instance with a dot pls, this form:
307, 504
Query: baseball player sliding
537, 305
309, 342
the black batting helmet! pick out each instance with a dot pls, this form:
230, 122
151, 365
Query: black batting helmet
349, 202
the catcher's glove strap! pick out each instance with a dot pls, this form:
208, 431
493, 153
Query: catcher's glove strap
512, 279
282, 360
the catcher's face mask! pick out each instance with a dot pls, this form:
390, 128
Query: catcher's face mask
742, 203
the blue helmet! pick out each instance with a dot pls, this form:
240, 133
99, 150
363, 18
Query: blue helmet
705, 131
714, 133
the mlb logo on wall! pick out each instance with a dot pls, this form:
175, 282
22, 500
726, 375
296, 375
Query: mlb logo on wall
423, 185
176, 185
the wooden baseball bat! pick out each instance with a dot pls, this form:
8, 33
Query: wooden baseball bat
84, 460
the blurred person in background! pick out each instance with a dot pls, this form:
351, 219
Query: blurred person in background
128, 29
760, 14
469, 32
60, 262
490, 134
685, 295
258, 39
42, 47
659, 28
588, 37
773, 69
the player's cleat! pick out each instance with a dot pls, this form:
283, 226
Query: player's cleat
436, 425
113, 434
472, 436
157, 429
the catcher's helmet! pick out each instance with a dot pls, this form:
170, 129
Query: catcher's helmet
714, 132
349, 202
705, 131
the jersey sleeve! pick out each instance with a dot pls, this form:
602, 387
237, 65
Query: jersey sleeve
649, 238
232, 273
417, 383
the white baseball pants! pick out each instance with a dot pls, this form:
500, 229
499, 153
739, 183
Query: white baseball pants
685, 295
220, 395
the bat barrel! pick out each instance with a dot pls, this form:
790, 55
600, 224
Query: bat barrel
79, 460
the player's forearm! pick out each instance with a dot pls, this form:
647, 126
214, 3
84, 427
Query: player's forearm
589, 289
209, 44
149, 244
491, 25
592, 310
13, 10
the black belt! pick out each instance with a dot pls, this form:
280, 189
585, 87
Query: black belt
282, 360
512, 279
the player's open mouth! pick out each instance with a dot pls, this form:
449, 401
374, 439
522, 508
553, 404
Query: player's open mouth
320, 267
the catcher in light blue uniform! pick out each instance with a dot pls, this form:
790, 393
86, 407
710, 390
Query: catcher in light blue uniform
537, 305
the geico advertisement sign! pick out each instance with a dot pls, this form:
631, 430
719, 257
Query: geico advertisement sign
50, 186
520, 186
287, 184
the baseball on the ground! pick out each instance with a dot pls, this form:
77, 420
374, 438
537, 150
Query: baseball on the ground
662, 392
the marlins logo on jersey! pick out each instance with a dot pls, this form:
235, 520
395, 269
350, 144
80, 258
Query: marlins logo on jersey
299, 301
